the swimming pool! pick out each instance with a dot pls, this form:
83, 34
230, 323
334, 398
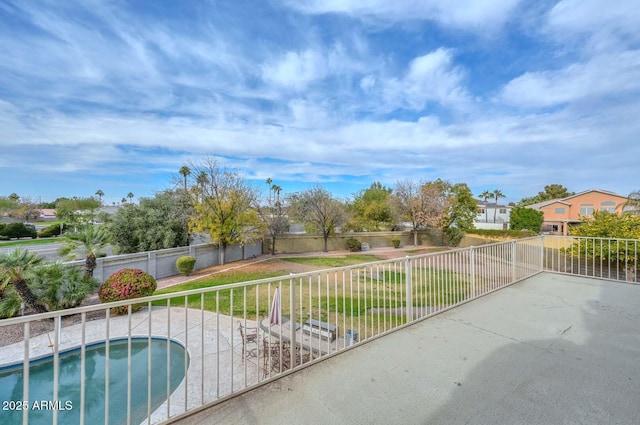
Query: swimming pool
41, 383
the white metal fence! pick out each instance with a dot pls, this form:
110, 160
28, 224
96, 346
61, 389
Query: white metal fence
238, 336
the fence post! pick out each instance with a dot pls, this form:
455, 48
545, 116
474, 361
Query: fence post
472, 270
409, 290
542, 268
292, 318
514, 255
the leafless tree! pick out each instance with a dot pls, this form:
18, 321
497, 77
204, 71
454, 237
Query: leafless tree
409, 205
319, 210
273, 214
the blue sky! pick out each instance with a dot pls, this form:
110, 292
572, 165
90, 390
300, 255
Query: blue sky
499, 94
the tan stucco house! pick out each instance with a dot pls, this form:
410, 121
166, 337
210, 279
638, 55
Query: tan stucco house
560, 213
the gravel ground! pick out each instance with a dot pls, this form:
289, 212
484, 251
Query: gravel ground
15, 333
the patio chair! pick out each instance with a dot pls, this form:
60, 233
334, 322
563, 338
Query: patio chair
249, 341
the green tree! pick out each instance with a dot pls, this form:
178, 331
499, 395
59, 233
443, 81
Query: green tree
463, 207
130, 195
609, 225
7, 205
224, 206
552, 191
16, 268
90, 241
522, 218
156, 223
604, 224
371, 209
77, 212
319, 210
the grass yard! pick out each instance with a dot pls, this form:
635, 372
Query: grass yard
32, 242
332, 262
369, 303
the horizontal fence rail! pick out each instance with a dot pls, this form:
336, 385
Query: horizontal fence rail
174, 354
602, 258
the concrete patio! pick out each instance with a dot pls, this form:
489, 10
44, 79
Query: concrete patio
553, 349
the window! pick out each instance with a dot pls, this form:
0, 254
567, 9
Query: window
561, 210
586, 209
608, 206
503, 210
480, 210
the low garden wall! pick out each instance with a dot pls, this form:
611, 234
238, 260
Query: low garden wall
162, 263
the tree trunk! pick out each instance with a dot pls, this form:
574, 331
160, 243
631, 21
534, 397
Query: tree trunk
273, 245
29, 299
415, 237
222, 247
90, 264
326, 242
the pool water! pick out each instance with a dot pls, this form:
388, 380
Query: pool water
41, 383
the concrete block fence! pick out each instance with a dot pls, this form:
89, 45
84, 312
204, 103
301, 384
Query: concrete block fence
162, 263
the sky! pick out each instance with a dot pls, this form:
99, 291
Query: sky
498, 94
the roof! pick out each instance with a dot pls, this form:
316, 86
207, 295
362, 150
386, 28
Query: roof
565, 201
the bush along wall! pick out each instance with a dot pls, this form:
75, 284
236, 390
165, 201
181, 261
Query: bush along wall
124, 285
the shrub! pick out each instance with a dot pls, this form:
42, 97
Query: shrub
523, 218
396, 243
185, 264
126, 284
49, 231
453, 235
353, 245
19, 230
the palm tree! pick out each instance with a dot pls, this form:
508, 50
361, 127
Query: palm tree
123, 200
186, 172
14, 197
276, 190
90, 241
269, 181
632, 205
485, 196
130, 196
497, 194
100, 194
16, 267
202, 180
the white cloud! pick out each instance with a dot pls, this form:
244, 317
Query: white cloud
620, 18
296, 70
428, 78
470, 15
603, 76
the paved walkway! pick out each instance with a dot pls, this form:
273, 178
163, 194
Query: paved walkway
552, 349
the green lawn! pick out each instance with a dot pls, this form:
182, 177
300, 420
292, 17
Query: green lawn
331, 262
221, 300
32, 242
354, 304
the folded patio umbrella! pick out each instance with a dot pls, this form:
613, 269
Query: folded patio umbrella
275, 314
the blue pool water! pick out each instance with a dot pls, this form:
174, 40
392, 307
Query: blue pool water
68, 408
